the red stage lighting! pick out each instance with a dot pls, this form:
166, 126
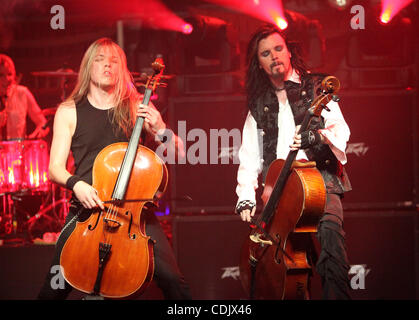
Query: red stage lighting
385, 16
153, 14
281, 23
390, 8
207, 44
267, 10
187, 28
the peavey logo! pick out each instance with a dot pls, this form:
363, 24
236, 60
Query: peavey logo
231, 272
359, 149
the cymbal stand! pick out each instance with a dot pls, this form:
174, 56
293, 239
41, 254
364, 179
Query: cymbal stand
63, 202
11, 235
50, 205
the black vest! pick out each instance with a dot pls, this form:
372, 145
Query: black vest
300, 96
93, 132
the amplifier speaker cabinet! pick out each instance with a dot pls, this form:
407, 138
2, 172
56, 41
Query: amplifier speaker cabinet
382, 244
207, 84
208, 251
383, 148
382, 151
385, 243
209, 173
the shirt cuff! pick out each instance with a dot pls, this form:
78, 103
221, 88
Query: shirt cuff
337, 145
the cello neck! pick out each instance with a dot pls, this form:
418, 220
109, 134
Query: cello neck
130, 155
271, 204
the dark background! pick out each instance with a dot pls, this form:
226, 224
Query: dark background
377, 68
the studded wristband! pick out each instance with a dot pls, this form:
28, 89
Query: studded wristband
245, 205
309, 138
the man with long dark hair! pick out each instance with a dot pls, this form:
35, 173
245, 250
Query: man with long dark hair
280, 89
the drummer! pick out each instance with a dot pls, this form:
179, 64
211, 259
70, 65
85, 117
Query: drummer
16, 102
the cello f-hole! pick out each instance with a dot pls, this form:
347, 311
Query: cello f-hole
97, 220
131, 236
277, 260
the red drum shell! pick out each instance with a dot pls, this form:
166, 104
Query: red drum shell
24, 166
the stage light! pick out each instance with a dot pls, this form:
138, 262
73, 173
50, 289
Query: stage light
386, 42
152, 14
281, 23
340, 4
187, 28
208, 44
385, 17
266, 10
390, 8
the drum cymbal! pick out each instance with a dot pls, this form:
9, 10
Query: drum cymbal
58, 73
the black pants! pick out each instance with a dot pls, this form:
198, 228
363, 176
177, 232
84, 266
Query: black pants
166, 273
332, 262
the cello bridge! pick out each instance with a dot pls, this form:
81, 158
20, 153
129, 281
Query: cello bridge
112, 223
256, 238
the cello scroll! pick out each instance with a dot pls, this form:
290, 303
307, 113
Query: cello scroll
329, 87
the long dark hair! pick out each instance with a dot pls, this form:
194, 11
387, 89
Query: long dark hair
257, 81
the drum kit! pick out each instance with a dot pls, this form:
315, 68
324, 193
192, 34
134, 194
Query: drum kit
23, 181
31, 205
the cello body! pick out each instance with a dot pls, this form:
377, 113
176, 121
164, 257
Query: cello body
119, 230
265, 271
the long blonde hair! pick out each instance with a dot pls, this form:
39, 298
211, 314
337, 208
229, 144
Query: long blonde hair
126, 95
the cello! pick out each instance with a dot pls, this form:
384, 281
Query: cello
109, 254
274, 262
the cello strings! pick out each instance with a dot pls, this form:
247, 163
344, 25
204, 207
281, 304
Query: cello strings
105, 238
108, 216
113, 216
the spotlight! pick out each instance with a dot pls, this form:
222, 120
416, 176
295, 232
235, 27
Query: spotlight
281, 23
187, 28
391, 8
340, 4
385, 17
208, 44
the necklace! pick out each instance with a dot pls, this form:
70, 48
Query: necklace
280, 89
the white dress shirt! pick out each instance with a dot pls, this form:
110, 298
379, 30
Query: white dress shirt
336, 134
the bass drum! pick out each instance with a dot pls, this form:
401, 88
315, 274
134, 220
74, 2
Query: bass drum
11, 155
35, 166
24, 166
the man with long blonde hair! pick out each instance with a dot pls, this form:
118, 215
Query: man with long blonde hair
102, 109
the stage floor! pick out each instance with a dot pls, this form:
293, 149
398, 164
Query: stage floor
384, 243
